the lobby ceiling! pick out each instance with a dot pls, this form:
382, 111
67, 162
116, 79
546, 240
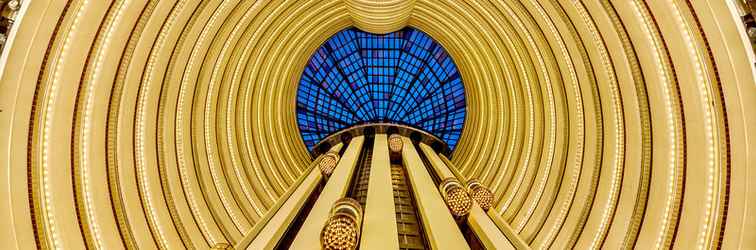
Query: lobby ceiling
173, 124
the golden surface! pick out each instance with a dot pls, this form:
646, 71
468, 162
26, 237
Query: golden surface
487, 232
335, 189
272, 228
440, 228
379, 225
595, 123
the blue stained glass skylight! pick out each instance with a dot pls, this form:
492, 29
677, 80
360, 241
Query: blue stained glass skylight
403, 77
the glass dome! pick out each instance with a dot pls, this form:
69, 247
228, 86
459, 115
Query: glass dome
404, 77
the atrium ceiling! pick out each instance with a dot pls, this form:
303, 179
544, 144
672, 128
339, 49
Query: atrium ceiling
173, 124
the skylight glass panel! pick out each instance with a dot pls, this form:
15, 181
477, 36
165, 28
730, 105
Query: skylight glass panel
403, 77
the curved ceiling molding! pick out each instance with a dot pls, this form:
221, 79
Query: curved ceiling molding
605, 123
380, 16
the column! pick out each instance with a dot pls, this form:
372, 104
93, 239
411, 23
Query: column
441, 231
486, 204
268, 232
336, 188
379, 224
481, 224
273, 225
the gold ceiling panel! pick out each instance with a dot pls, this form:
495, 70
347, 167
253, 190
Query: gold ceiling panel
380, 16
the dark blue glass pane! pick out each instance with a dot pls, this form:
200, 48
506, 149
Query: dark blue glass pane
403, 77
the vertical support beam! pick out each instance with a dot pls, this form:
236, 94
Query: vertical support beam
437, 164
503, 226
487, 231
513, 237
454, 170
482, 224
308, 236
274, 224
441, 231
379, 225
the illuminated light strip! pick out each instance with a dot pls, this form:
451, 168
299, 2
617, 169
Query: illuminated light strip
483, 58
552, 135
515, 111
314, 13
113, 133
242, 225
672, 156
245, 110
549, 236
335, 16
497, 147
466, 166
236, 78
85, 137
210, 236
618, 130
531, 129
272, 147
139, 135
635, 216
208, 106
577, 222
477, 55
48, 117
704, 235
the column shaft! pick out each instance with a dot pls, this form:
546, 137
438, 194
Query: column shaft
276, 224
308, 236
488, 232
441, 231
379, 225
